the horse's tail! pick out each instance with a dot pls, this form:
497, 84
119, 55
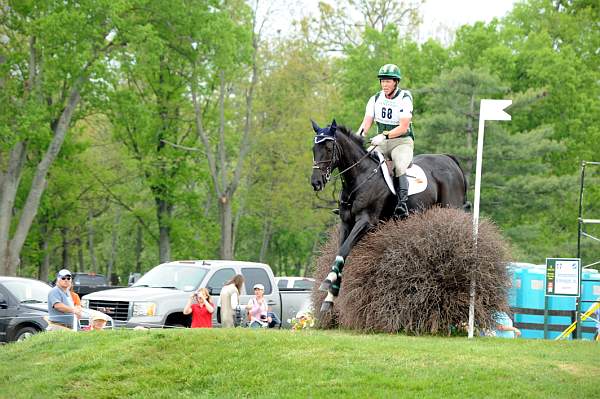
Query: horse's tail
466, 204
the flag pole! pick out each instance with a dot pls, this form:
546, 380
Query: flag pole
491, 110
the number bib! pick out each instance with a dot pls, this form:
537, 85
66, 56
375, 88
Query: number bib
387, 112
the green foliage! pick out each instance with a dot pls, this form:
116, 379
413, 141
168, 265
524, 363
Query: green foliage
119, 159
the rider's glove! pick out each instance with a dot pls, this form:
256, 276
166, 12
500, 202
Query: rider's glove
380, 138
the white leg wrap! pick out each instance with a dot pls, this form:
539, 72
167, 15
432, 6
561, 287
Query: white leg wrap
329, 297
332, 276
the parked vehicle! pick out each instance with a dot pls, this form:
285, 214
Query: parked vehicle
86, 283
157, 299
296, 283
23, 306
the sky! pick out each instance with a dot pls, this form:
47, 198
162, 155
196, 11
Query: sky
440, 17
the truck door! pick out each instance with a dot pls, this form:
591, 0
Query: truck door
256, 275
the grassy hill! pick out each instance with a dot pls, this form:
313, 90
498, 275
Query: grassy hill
250, 363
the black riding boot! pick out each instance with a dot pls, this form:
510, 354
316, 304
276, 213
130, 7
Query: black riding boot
401, 187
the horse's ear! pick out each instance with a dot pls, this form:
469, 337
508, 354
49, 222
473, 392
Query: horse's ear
333, 127
315, 127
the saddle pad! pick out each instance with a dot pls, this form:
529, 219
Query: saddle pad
417, 181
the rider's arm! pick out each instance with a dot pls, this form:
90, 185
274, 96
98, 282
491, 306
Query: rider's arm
369, 117
401, 129
405, 118
365, 126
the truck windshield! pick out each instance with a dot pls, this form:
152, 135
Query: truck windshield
28, 291
89, 279
182, 277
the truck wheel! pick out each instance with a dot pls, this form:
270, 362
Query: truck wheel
25, 332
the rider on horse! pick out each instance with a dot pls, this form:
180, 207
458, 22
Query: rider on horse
391, 109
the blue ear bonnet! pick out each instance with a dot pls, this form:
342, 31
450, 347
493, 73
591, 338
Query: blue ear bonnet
324, 133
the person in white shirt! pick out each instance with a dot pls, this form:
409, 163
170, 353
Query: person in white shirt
391, 109
229, 300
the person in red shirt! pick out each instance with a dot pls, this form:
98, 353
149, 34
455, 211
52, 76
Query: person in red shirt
201, 308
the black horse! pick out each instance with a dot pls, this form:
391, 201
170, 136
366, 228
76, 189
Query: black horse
365, 198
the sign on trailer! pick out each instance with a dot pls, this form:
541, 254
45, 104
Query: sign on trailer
563, 276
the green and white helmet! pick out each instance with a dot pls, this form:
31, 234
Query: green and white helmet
389, 71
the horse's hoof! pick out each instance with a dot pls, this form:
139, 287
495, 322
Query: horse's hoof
325, 285
326, 306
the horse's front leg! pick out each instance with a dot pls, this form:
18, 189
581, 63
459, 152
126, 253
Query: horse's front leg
334, 279
334, 274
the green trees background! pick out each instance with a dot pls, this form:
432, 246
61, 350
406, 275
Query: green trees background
134, 132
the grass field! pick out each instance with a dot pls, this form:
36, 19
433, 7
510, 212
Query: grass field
306, 364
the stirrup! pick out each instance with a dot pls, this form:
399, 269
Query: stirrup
401, 211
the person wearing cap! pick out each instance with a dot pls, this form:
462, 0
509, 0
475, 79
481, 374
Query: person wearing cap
60, 304
391, 109
229, 300
98, 321
257, 308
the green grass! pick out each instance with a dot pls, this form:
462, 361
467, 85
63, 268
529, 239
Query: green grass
257, 363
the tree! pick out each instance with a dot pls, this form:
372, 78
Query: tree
50, 51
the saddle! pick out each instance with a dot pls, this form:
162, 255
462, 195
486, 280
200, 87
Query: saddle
417, 180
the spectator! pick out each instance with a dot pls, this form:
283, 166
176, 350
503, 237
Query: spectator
75, 298
257, 308
229, 300
201, 308
60, 304
504, 326
275, 322
98, 321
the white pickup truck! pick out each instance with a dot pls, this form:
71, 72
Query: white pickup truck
157, 299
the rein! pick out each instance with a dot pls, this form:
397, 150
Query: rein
361, 183
327, 172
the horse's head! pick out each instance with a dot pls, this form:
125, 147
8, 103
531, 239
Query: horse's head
324, 155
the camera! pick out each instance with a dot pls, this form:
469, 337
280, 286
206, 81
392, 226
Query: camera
263, 317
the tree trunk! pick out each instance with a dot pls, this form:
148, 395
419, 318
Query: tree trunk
12, 247
470, 120
226, 218
219, 171
163, 213
90, 241
113, 246
64, 232
266, 240
45, 239
80, 256
8, 191
139, 248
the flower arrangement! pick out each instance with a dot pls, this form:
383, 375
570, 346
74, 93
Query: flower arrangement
303, 321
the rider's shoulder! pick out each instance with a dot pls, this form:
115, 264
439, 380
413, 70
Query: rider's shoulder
406, 94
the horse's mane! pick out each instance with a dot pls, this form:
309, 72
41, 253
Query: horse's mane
353, 137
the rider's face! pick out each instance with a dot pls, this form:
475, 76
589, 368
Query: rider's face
388, 86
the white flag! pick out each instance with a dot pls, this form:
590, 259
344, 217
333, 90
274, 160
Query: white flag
493, 110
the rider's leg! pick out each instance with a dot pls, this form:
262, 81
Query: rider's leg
402, 156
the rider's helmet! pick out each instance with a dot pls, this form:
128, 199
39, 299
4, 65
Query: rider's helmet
389, 71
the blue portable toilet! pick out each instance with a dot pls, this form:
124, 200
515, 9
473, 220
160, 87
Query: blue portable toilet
533, 282
515, 271
590, 292
568, 303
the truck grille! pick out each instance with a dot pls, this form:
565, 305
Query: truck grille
118, 310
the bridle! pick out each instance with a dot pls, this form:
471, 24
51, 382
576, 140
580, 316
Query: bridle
330, 162
326, 171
